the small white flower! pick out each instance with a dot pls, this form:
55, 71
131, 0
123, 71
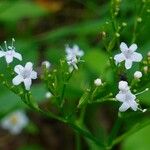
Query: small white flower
47, 64
15, 122
25, 75
137, 74
98, 82
10, 53
126, 97
128, 55
48, 95
75, 50
73, 56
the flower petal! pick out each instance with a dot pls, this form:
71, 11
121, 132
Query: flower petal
33, 75
9, 58
120, 97
29, 66
128, 63
27, 83
119, 58
124, 107
18, 69
137, 57
2, 53
123, 47
133, 105
18, 56
133, 47
17, 80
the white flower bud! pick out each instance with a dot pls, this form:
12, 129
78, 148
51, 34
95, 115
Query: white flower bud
47, 64
98, 82
123, 86
48, 95
137, 74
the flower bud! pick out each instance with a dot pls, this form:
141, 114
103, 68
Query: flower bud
98, 82
48, 95
46, 64
137, 74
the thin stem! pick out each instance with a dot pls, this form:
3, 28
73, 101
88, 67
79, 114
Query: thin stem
64, 89
78, 142
114, 131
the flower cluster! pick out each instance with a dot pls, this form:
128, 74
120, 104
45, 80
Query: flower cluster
125, 95
73, 56
25, 74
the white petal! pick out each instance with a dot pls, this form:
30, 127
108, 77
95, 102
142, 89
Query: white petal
119, 58
137, 57
18, 69
29, 66
17, 80
27, 83
75, 66
71, 69
120, 97
33, 75
2, 53
80, 53
15, 130
134, 105
124, 107
123, 47
9, 58
128, 63
133, 47
18, 56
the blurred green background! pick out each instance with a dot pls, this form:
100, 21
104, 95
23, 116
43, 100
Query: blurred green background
41, 29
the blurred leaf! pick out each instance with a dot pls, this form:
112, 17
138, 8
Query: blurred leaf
14, 11
138, 141
96, 60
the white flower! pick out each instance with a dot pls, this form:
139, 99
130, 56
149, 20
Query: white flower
73, 56
126, 97
48, 95
25, 75
128, 55
137, 74
10, 53
75, 50
98, 82
15, 122
47, 64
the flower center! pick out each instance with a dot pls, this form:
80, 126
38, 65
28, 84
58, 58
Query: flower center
14, 119
128, 54
26, 74
9, 53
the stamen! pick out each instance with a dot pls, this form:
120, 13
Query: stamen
5, 45
1, 48
142, 110
142, 91
13, 40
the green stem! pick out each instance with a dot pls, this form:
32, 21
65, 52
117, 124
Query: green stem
64, 89
114, 132
78, 142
